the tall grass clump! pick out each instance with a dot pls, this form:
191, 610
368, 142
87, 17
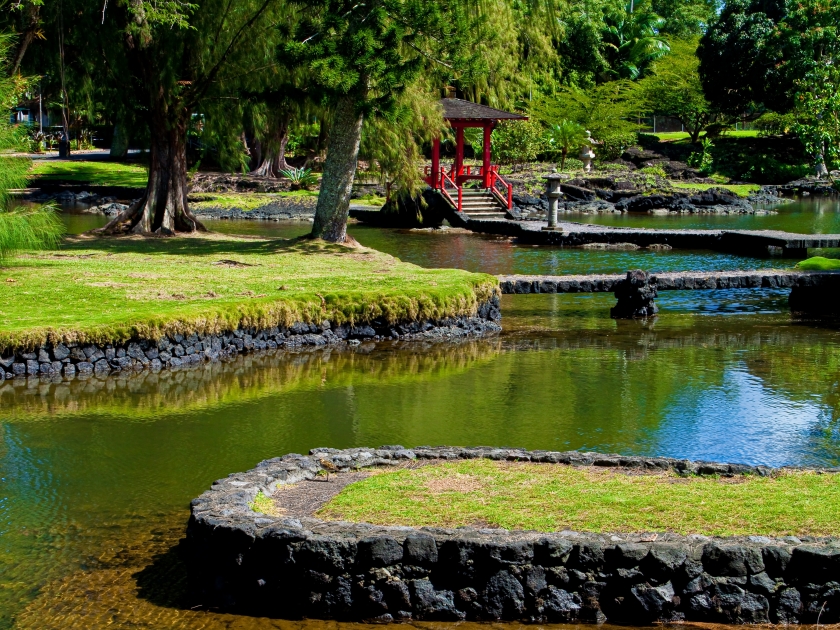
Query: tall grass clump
21, 228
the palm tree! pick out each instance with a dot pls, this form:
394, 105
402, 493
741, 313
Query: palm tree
633, 42
563, 136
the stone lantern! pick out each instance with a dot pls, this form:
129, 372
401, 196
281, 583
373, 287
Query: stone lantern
586, 153
552, 191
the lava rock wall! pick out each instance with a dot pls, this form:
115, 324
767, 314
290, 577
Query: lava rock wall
78, 359
291, 567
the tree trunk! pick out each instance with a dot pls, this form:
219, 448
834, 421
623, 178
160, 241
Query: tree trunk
563, 152
265, 169
163, 208
339, 172
281, 163
33, 18
119, 143
274, 157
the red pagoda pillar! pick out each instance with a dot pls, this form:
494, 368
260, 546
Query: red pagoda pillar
485, 161
435, 163
459, 153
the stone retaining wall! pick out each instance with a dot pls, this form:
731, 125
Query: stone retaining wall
178, 350
294, 566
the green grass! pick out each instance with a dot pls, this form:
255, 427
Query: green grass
369, 200
245, 201
263, 505
107, 290
819, 263
92, 173
671, 136
742, 190
549, 497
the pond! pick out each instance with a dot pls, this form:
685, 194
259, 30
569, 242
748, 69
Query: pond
96, 476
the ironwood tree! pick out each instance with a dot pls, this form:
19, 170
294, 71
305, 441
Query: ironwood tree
169, 65
362, 56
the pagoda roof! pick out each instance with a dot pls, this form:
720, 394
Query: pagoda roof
459, 109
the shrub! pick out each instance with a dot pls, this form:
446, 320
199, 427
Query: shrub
517, 142
613, 145
773, 124
702, 160
653, 170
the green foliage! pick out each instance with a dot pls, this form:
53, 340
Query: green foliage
702, 160
605, 109
819, 263
301, 178
563, 137
29, 228
633, 40
614, 144
393, 140
674, 89
21, 228
653, 170
774, 124
740, 66
517, 142
760, 161
683, 18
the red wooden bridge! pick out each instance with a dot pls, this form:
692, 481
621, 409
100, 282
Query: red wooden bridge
493, 195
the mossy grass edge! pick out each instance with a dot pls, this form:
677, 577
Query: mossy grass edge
112, 290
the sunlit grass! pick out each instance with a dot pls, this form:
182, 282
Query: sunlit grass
549, 497
742, 190
113, 289
96, 173
671, 136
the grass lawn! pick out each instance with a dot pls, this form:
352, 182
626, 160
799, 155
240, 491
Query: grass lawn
671, 136
92, 173
245, 201
549, 497
112, 289
742, 190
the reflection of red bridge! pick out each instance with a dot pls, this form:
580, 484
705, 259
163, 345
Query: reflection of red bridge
492, 195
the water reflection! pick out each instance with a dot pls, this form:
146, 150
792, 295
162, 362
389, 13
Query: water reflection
96, 475
806, 215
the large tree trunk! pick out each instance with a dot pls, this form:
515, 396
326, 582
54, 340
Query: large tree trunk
274, 158
163, 208
339, 172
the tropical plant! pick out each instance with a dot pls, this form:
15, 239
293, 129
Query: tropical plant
21, 228
633, 41
301, 178
702, 160
563, 136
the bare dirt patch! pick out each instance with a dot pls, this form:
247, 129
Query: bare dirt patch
454, 483
307, 497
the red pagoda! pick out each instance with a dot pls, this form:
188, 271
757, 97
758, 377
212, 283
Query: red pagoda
494, 194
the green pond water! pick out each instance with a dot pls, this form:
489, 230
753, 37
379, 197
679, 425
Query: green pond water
96, 476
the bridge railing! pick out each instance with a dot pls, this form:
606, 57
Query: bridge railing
458, 191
